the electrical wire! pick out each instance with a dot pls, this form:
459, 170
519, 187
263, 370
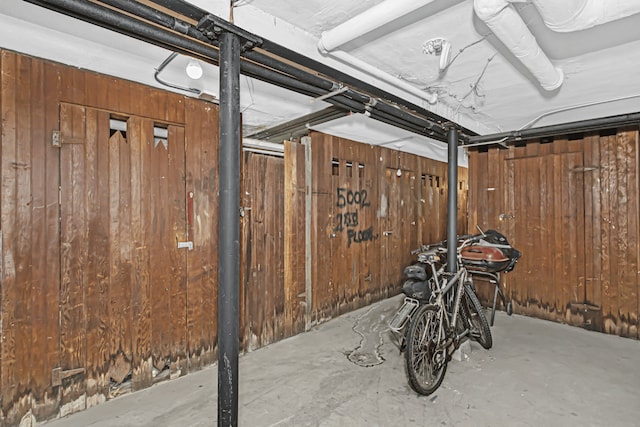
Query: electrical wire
162, 66
575, 107
442, 71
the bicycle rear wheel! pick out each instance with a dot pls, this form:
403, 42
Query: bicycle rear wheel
426, 360
480, 330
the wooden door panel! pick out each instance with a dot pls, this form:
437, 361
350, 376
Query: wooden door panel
123, 288
544, 219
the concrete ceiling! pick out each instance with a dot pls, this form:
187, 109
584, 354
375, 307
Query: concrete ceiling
484, 88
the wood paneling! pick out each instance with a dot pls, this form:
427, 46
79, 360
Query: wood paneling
81, 278
294, 238
264, 292
8, 374
202, 221
367, 219
93, 286
570, 206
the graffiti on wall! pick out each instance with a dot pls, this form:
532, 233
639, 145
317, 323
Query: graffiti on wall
350, 204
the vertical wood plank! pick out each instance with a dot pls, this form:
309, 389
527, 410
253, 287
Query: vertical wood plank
247, 251
634, 227
509, 208
532, 212
482, 184
606, 212
548, 238
560, 261
73, 248
201, 166
3, 120
627, 233
141, 141
23, 250
116, 291
321, 219
40, 374
161, 243
592, 224
51, 357
294, 234
8, 378
177, 231
194, 139
96, 269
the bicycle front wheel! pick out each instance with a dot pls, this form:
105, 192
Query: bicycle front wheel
426, 359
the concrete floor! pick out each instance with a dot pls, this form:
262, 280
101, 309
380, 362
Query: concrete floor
347, 372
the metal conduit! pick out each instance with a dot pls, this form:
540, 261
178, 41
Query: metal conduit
316, 86
632, 119
452, 201
196, 13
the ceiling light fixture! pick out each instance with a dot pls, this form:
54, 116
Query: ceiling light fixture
194, 69
438, 46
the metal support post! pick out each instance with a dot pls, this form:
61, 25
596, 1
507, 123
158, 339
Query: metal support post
452, 200
229, 231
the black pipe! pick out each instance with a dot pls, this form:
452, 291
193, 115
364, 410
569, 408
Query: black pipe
157, 17
283, 77
452, 201
421, 127
385, 118
561, 129
183, 8
404, 115
196, 13
229, 231
119, 22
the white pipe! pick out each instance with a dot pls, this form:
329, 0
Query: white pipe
361, 24
563, 16
575, 15
509, 27
430, 97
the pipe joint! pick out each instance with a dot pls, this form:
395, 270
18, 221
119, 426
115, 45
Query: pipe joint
181, 27
489, 9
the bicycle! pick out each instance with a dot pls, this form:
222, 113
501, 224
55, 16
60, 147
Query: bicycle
441, 310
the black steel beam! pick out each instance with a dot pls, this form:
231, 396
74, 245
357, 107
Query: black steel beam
183, 37
193, 12
298, 126
452, 201
632, 119
229, 231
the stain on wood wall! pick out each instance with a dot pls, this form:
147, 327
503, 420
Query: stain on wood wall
370, 207
96, 298
102, 179
571, 208
363, 220
263, 293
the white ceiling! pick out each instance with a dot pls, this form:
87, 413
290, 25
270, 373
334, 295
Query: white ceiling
485, 89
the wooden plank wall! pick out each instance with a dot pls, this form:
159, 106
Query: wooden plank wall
95, 297
82, 281
366, 219
571, 207
263, 317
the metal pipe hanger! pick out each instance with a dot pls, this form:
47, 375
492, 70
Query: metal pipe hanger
261, 59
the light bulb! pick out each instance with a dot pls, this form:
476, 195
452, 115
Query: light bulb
399, 172
194, 70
